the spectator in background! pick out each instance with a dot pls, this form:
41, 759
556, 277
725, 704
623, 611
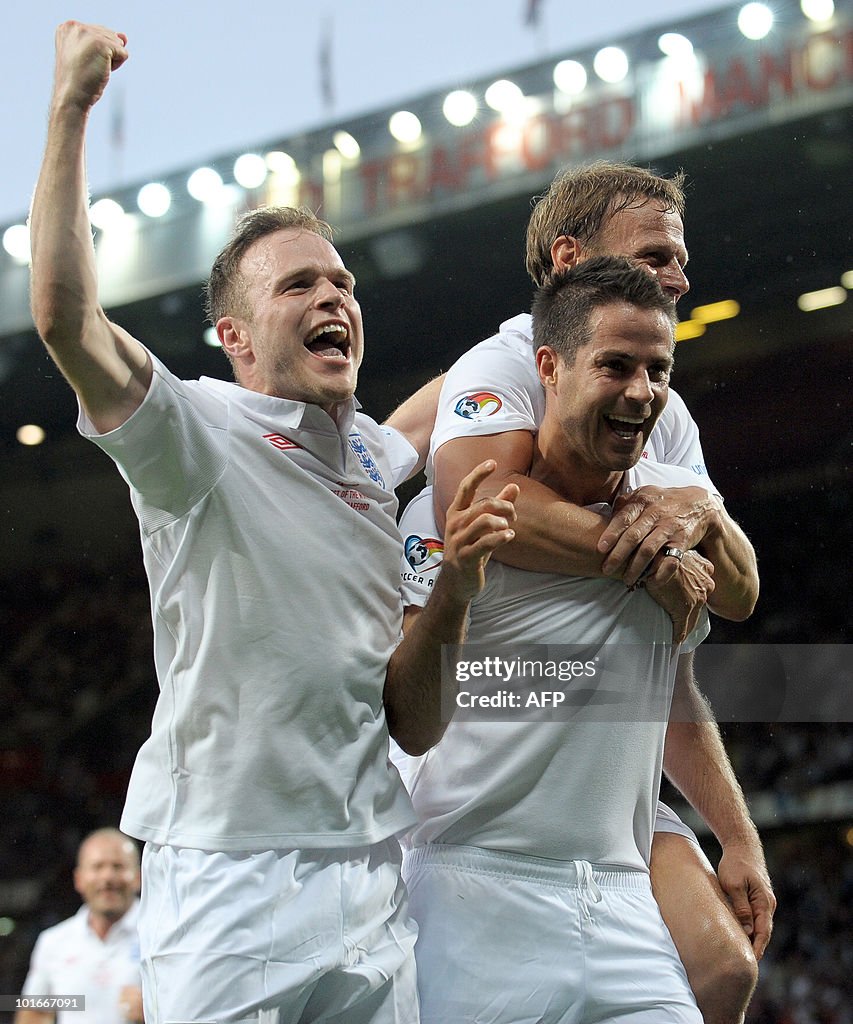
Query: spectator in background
95, 953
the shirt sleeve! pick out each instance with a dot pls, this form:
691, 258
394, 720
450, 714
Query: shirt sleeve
666, 820
400, 454
172, 450
423, 550
491, 389
495, 388
661, 474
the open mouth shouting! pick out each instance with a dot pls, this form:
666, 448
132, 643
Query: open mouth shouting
626, 427
330, 342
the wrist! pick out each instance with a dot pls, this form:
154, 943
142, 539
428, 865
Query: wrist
454, 590
68, 106
745, 837
713, 518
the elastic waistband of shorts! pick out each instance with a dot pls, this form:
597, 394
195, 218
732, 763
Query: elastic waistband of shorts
514, 865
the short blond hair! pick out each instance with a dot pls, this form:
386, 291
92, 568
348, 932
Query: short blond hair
580, 200
226, 289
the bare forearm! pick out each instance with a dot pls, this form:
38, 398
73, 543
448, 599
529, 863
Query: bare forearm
696, 762
554, 535
415, 418
413, 685
64, 283
109, 370
735, 569
474, 530
551, 534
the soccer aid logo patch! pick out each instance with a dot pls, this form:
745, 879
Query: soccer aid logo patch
477, 406
366, 459
423, 553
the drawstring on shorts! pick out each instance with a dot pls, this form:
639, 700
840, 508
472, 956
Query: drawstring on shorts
587, 887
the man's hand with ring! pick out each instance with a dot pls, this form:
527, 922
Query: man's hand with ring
650, 519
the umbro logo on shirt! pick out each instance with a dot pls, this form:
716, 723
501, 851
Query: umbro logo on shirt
282, 443
356, 443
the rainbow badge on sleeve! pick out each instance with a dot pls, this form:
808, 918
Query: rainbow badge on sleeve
478, 405
423, 553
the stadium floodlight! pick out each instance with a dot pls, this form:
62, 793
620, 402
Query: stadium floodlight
687, 329
333, 164
106, 214
755, 20
818, 10
211, 338
30, 434
405, 126
347, 145
250, 170
808, 302
205, 185
674, 44
154, 199
725, 309
280, 162
611, 64
16, 242
460, 107
283, 166
847, 279
504, 96
570, 77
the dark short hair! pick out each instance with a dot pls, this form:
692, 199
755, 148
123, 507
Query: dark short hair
226, 290
562, 307
580, 200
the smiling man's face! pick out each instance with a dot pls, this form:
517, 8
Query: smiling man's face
608, 399
107, 875
302, 338
651, 237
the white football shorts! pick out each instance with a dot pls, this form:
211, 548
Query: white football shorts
507, 939
276, 937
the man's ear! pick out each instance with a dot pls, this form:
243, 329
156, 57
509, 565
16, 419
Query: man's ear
546, 365
566, 252
234, 337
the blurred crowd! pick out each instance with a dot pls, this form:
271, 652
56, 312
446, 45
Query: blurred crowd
77, 675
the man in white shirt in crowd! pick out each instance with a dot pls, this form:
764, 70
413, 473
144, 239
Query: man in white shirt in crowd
95, 953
